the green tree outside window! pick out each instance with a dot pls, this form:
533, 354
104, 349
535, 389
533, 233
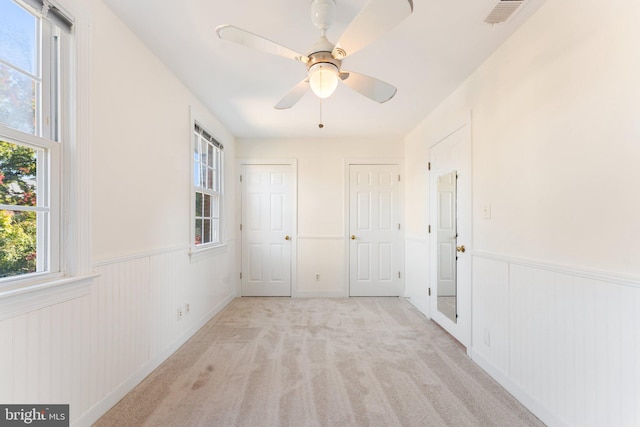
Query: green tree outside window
18, 232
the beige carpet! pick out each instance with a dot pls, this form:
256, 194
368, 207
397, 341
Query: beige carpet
319, 362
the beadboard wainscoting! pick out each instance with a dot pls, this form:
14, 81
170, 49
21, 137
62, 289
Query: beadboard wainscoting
564, 341
92, 350
44, 357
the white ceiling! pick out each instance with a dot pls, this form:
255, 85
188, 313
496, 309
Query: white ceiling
426, 57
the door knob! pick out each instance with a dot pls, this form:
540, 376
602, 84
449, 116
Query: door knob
353, 237
461, 249
287, 238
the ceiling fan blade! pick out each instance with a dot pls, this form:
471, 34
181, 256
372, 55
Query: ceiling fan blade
293, 96
377, 18
372, 88
245, 38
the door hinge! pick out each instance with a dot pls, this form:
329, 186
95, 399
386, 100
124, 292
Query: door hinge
240, 227
241, 278
429, 291
429, 166
429, 229
240, 178
398, 178
398, 226
399, 275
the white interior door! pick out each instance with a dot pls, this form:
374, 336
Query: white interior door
450, 215
267, 230
374, 230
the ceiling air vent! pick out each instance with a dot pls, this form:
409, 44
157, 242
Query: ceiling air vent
502, 11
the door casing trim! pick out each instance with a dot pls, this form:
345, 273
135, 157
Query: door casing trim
347, 261
294, 217
462, 330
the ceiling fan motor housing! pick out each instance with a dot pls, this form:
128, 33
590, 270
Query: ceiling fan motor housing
323, 57
321, 60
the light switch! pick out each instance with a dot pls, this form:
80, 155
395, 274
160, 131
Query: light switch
486, 211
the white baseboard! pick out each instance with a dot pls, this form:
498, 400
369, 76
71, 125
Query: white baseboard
421, 306
320, 294
102, 407
532, 404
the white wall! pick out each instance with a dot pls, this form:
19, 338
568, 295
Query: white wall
556, 280
556, 294
321, 201
91, 344
140, 131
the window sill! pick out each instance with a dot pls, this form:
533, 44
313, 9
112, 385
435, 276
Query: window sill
18, 301
196, 253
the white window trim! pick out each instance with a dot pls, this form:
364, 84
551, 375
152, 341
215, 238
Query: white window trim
214, 248
16, 302
196, 253
49, 201
74, 278
44, 139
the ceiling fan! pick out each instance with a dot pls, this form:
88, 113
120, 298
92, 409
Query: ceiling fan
324, 59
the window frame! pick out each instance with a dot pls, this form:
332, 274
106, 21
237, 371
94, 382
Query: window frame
51, 111
199, 134
48, 238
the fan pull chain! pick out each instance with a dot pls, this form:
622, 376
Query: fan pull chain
320, 125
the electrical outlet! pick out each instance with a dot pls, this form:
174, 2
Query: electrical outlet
180, 313
317, 277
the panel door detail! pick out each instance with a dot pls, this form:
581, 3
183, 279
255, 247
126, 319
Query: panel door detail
450, 244
267, 219
373, 230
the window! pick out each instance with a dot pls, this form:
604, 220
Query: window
34, 45
207, 183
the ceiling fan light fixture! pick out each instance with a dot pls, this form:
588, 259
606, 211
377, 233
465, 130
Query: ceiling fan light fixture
323, 79
324, 60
